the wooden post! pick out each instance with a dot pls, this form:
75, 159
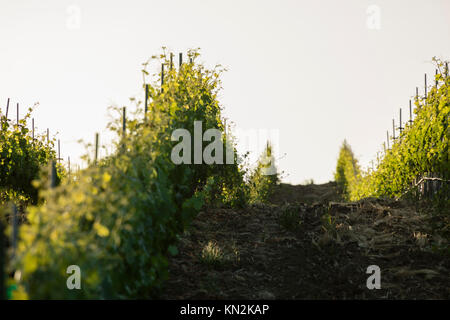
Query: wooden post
96, 147
52, 174
433, 184
416, 180
430, 186
414, 187
440, 183
162, 77
410, 112
393, 129
171, 60
436, 183
2, 261
436, 73
146, 99
32, 123
424, 186
124, 126
17, 113
421, 187
425, 190
180, 59
400, 123
48, 139
418, 186
387, 138
7, 109
425, 85
417, 93
124, 121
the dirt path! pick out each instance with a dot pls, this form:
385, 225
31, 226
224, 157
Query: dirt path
311, 248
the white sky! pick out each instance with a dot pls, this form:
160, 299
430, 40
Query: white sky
311, 69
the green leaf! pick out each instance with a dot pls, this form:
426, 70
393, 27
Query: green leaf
172, 250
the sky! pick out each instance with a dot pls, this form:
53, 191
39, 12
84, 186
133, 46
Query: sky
312, 72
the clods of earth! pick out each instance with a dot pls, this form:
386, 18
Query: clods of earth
308, 245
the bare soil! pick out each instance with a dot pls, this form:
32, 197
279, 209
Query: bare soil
308, 245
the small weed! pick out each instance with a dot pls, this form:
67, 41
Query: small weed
212, 254
236, 256
328, 222
290, 218
215, 256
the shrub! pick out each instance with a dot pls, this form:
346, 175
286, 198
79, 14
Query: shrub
212, 254
347, 170
422, 147
120, 219
264, 177
191, 95
117, 223
21, 159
